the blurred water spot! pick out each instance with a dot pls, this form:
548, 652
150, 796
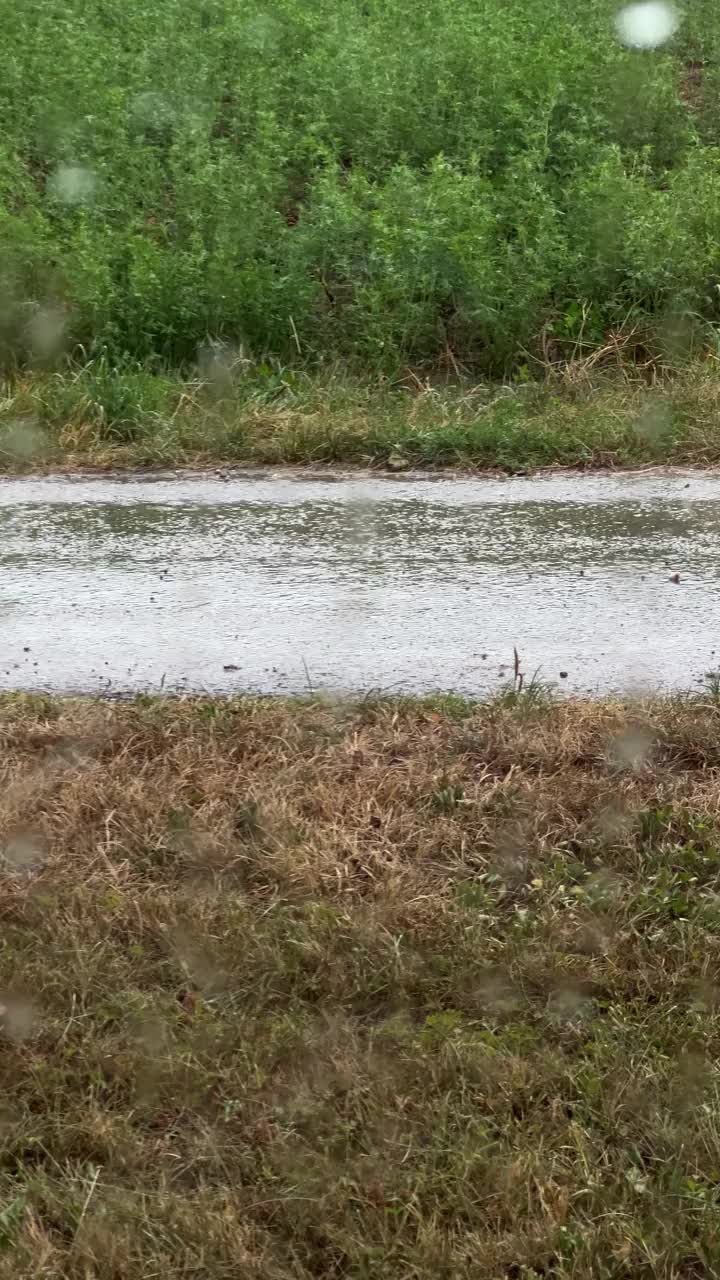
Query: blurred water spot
261, 31
706, 997
68, 755
46, 331
693, 1069
511, 855
497, 994
197, 962
151, 1032
595, 937
152, 1037
614, 822
648, 25
604, 887
73, 184
681, 336
22, 438
220, 363
568, 1006
362, 522
24, 851
631, 748
9, 1118
655, 424
152, 108
18, 1017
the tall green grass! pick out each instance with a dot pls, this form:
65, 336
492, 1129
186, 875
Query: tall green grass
384, 182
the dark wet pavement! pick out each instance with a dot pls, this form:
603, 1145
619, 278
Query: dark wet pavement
283, 583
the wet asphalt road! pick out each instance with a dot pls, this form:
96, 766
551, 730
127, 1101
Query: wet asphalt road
284, 583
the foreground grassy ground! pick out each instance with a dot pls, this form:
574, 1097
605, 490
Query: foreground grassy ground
413, 990
98, 417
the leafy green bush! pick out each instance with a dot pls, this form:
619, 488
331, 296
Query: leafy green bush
381, 181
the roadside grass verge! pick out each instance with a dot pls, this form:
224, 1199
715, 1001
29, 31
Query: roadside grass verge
103, 418
422, 988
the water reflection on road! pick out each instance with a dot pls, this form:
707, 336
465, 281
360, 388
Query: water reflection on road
358, 583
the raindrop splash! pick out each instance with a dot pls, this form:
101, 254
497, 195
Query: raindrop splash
648, 25
18, 1017
73, 184
24, 851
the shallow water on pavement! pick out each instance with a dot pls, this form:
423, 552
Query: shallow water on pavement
281, 583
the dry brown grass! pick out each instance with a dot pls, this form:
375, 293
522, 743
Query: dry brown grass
412, 990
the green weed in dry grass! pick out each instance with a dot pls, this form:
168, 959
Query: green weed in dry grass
575, 418
423, 989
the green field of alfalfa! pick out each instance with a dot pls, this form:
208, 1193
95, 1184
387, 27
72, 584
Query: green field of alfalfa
270, 202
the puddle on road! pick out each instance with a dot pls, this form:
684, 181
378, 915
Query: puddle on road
275, 583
